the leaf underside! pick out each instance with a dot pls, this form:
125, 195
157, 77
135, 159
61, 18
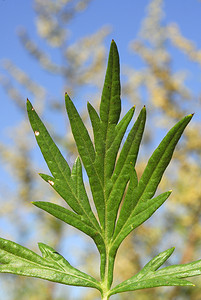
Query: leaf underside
150, 276
112, 178
52, 266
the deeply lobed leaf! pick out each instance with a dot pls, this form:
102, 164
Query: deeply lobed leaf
112, 177
121, 174
148, 184
150, 277
69, 186
87, 154
136, 219
52, 266
159, 161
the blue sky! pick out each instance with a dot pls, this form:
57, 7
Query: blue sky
125, 19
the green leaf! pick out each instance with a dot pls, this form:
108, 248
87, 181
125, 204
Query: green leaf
137, 217
66, 192
150, 180
111, 153
121, 175
81, 135
181, 271
99, 165
75, 197
52, 266
95, 122
80, 192
87, 154
59, 168
129, 152
159, 161
69, 186
113, 179
150, 277
110, 107
75, 220
53, 157
127, 205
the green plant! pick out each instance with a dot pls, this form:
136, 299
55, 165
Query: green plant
112, 177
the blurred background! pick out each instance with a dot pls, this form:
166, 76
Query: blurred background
49, 47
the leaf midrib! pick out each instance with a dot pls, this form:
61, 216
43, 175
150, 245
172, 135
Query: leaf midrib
138, 202
105, 151
85, 212
126, 225
49, 268
164, 153
50, 147
96, 172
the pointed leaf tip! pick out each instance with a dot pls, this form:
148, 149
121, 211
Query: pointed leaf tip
29, 105
110, 106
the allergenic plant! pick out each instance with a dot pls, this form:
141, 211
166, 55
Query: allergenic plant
113, 181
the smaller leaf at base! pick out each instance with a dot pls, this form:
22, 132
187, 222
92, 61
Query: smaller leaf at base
52, 266
149, 277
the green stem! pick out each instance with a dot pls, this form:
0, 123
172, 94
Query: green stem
105, 297
107, 277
